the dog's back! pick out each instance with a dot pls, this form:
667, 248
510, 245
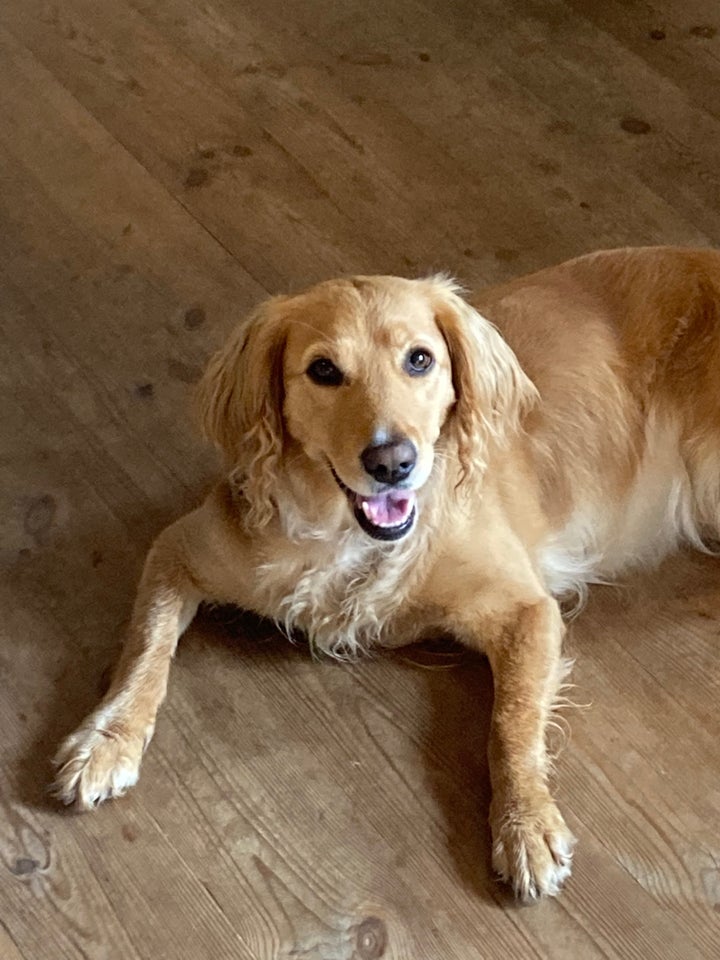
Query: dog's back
624, 348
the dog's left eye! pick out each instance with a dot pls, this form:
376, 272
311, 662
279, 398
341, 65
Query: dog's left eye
418, 361
324, 372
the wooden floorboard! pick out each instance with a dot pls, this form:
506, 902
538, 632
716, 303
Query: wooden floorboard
163, 166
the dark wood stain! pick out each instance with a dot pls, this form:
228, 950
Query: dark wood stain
24, 866
197, 176
194, 318
635, 126
705, 31
561, 126
184, 372
506, 254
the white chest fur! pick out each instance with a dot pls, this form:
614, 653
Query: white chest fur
344, 596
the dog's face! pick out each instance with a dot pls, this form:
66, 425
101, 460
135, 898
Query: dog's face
364, 376
368, 386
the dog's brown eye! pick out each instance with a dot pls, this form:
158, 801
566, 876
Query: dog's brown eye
324, 372
418, 361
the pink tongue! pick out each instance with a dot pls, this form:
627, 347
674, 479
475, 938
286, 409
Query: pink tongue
389, 509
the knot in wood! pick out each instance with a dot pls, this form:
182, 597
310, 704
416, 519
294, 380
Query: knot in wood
371, 939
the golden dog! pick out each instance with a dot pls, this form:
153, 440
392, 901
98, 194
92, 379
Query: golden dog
397, 464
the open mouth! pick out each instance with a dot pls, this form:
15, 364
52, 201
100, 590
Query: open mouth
384, 516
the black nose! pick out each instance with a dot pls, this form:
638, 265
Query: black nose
390, 462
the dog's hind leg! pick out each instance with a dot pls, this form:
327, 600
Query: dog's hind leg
102, 758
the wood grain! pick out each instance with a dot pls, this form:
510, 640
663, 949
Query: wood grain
165, 165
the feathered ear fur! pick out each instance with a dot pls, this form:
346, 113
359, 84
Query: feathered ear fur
240, 398
491, 388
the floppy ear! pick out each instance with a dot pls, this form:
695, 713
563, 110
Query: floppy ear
492, 391
240, 398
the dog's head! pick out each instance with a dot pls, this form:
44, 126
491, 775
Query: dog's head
364, 378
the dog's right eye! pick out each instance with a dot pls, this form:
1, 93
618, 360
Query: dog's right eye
324, 372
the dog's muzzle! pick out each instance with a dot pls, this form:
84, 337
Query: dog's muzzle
387, 516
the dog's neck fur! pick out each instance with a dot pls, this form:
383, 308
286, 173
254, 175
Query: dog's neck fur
337, 586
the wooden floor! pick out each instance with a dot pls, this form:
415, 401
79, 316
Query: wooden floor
166, 163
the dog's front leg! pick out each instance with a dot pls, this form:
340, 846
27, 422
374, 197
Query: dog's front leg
532, 846
102, 758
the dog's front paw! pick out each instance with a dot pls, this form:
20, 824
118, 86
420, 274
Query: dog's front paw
532, 848
99, 761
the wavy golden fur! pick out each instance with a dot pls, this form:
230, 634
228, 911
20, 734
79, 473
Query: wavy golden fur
400, 460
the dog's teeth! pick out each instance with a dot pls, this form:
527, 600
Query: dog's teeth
380, 510
367, 510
